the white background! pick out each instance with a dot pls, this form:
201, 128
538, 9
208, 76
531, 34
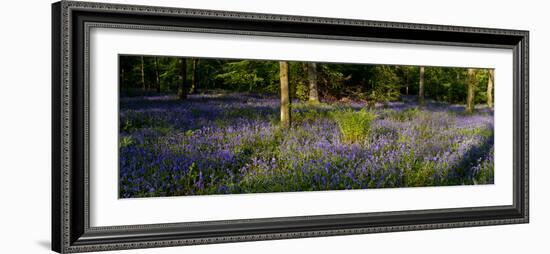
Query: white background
108, 210
25, 126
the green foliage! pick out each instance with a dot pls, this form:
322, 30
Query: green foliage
354, 126
405, 115
482, 77
486, 172
299, 87
125, 141
421, 174
335, 81
331, 80
246, 75
479, 131
167, 68
446, 84
386, 84
169, 74
302, 91
308, 112
408, 77
141, 121
385, 131
305, 116
240, 74
449, 84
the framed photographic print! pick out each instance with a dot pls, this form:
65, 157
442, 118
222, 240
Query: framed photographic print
181, 126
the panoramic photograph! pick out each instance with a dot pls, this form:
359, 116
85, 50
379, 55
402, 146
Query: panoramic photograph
207, 126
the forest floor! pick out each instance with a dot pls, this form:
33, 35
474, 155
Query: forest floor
221, 143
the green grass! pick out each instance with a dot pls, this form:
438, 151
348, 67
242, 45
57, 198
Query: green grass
355, 126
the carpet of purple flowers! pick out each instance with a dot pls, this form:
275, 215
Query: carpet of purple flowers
221, 143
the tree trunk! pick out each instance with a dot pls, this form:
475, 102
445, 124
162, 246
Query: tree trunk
312, 79
142, 73
407, 80
490, 83
182, 90
157, 75
471, 91
122, 78
194, 76
421, 87
285, 94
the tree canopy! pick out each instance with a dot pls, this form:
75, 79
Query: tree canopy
307, 81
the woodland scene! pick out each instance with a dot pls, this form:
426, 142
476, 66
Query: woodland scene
198, 126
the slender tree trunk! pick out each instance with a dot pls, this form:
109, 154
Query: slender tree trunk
471, 91
183, 89
157, 75
490, 83
194, 76
406, 80
122, 78
285, 94
421, 87
312, 79
142, 73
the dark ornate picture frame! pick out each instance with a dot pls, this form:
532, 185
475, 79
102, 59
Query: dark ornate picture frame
71, 22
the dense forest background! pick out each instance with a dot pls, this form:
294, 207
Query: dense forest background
332, 81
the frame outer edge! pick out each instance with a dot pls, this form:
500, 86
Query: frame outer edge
526, 137
66, 111
56, 128
178, 11
65, 122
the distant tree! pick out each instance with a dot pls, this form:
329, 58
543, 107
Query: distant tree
312, 80
471, 82
298, 80
421, 87
490, 83
358, 78
285, 94
157, 74
456, 91
386, 86
407, 78
142, 73
307, 81
183, 88
194, 76
122, 80
332, 79
170, 73
249, 76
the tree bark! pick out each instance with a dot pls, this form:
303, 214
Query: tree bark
407, 80
142, 73
194, 76
122, 77
490, 83
182, 89
421, 87
471, 90
285, 94
312, 79
157, 75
